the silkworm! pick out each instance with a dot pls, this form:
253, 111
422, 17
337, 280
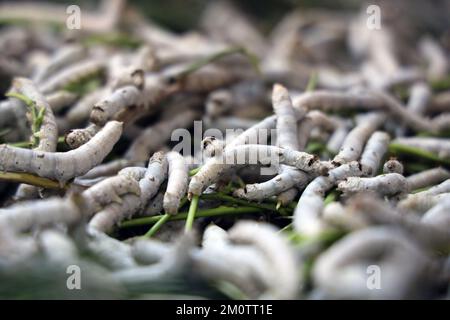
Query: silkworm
34, 214
338, 136
149, 251
71, 74
67, 55
439, 215
389, 184
177, 182
307, 218
341, 270
419, 98
118, 100
286, 197
152, 138
62, 166
427, 178
286, 120
374, 151
110, 190
276, 249
107, 169
440, 146
154, 176
60, 99
78, 137
353, 144
212, 147
263, 154
394, 166
413, 200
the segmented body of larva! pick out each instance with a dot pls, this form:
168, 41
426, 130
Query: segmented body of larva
62, 166
389, 184
427, 178
177, 182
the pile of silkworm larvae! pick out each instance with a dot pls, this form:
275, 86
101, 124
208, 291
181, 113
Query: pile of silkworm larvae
336, 180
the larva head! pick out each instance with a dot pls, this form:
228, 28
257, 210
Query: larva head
279, 93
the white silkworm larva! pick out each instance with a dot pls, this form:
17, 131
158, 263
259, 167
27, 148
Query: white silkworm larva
266, 238
137, 173
177, 182
32, 214
78, 137
263, 154
286, 120
107, 169
440, 146
342, 270
353, 144
427, 178
419, 98
71, 74
62, 166
394, 166
373, 153
307, 214
80, 112
149, 251
67, 55
412, 200
60, 99
212, 147
154, 176
117, 101
287, 196
389, 184
110, 190
439, 215
338, 136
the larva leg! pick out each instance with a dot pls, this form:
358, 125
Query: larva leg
177, 182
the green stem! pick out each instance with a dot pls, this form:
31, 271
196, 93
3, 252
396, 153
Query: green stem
193, 172
164, 218
413, 151
191, 213
219, 211
312, 82
30, 179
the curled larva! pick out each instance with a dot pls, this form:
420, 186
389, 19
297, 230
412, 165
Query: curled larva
117, 101
62, 166
353, 144
374, 151
341, 271
427, 178
389, 184
440, 146
64, 56
77, 137
263, 154
177, 182
71, 74
307, 214
33, 214
110, 190
393, 166
266, 238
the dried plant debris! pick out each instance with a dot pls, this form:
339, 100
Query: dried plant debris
304, 159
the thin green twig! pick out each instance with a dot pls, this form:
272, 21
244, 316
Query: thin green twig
28, 178
164, 218
191, 213
398, 148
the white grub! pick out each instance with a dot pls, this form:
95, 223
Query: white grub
245, 266
307, 214
212, 147
439, 146
262, 154
112, 253
110, 190
118, 100
80, 112
434, 54
266, 238
373, 153
63, 57
353, 144
58, 246
155, 175
177, 182
427, 178
34, 214
60, 99
394, 166
341, 271
286, 120
62, 166
390, 184
154, 137
78, 137
71, 74
286, 197
106, 219
439, 215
